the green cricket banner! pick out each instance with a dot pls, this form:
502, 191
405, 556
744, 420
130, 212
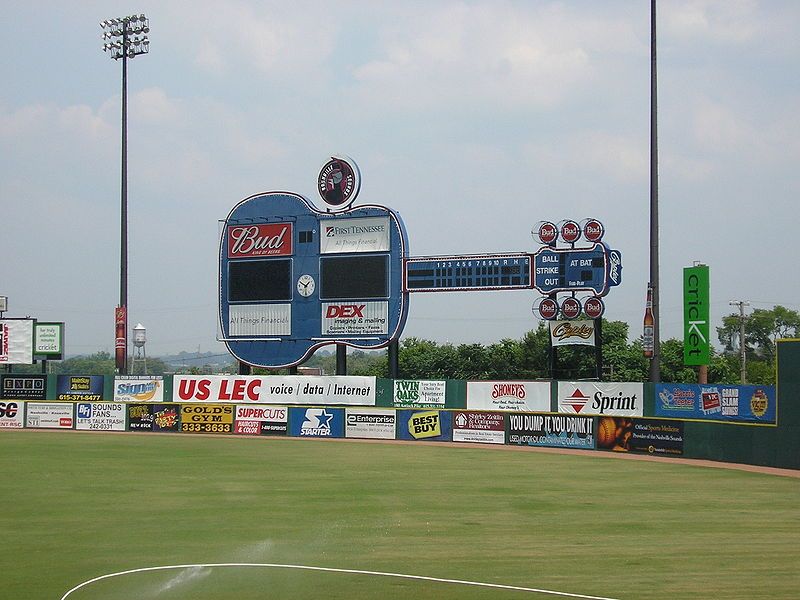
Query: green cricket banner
696, 339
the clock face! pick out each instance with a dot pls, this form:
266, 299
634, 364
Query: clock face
305, 285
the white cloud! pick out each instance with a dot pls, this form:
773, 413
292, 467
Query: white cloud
731, 21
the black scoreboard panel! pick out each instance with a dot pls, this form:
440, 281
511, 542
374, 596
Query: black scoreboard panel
468, 273
260, 280
354, 277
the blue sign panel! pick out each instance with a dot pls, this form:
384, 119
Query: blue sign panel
79, 388
461, 273
316, 422
425, 425
594, 269
744, 403
293, 278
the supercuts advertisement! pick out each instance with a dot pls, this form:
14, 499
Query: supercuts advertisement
252, 419
274, 389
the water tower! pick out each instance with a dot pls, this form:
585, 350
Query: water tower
139, 352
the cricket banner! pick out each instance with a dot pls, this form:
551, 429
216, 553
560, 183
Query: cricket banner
696, 338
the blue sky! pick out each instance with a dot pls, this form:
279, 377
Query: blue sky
473, 119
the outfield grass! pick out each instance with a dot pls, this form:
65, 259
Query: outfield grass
80, 505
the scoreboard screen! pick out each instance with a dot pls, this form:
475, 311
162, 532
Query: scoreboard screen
482, 272
354, 277
259, 280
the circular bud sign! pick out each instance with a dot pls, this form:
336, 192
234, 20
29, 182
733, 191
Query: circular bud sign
570, 308
570, 231
548, 308
593, 230
594, 307
547, 232
339, 181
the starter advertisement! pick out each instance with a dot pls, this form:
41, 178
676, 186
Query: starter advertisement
79, 388
743, 403
153, 417
424, 425
11, 413
139, 388
552, 431
100, 416
614, 399
316, 422
522, 396
24, 387
49, 415
207, 418
274, 389
418, 394
261, 420
370, 423
479, 427
650, 436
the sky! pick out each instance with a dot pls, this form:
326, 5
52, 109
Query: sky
473, 119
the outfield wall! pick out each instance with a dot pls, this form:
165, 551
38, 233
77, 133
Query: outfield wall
757, 425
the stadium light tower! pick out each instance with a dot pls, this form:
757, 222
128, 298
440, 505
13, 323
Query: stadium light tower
124, 37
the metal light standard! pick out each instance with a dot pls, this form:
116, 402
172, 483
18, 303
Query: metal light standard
125, 37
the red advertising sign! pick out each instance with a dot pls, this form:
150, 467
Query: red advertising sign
593, 307
548, 308
570, 308
548, 233
264, 239
593, 230
570, 231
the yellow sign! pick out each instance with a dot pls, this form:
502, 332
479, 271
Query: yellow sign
425, 425
207, 413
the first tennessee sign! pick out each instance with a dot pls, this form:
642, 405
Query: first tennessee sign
264, 239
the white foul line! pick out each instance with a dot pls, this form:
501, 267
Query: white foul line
332, 570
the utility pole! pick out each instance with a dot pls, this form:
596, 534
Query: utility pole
742, 348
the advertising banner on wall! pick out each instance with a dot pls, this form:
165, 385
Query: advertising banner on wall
48, 341
23, 387
370, 423
479, 427
206, 418
316, 422
11, 414
696, 303
105, 416
592, 398
522, 396
572, 333
743, 403
274, 389
424, 425
261, 420
651, 436
552, 431
79, 388
418, 394
153, 417
49, 415
16, 341
139, 388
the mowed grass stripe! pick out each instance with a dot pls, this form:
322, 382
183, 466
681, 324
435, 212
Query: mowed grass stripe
76, 506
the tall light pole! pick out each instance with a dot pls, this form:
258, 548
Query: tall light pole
655, 366
742, 347
124, 37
